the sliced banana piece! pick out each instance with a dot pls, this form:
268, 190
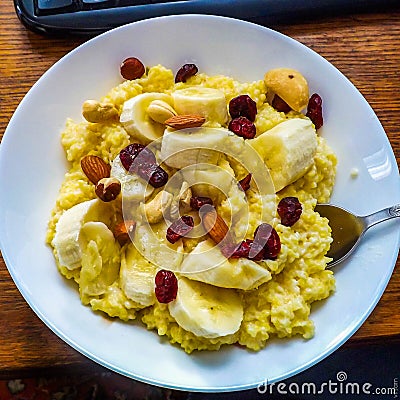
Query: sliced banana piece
133, 188
152, 244
206, 310
136, 120
199, 145
206, 263
208, 102
288, 150
67, 241
100, 259
137, 277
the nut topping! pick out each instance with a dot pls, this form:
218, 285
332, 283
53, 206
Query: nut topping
160, 111
95, 168
215, 226
96, 112
132, 68
107, 189
185, 121
123, 230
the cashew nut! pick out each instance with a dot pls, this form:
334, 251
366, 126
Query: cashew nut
181, 199
96, 112
290, 85
160, 111
153, 210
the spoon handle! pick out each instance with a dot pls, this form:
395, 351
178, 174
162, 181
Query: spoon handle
382, 215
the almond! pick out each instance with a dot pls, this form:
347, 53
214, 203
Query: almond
215, 226
123, 230
185, 121
95, 168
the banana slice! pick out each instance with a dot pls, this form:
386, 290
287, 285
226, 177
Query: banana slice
206, 263
200, 145
152, 244
136, 120
205, 310
133, 188
288, 150
207, 102
137, 277
100, 260
67, 241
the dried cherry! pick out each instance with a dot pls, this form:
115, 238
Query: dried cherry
141, 160
166, 286
244, 183
289, 209
179, 228
267, 237
243, 127
185, 72
196, 202
314, 110
243, 106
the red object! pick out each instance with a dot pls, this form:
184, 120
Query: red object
179, 228
314, 110
289, 209
243, 106
242, 127
185, 72
166, 286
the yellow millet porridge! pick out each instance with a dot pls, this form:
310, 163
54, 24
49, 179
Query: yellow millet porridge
277, 298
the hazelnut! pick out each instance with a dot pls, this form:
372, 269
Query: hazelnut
132, 68
123, 230
107, 189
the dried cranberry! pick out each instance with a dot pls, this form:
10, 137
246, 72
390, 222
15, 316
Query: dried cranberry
130, 152
185, 72
244, 184
166, 286
280, 105
243, 106
267, 237
314, 110
179, 228
242, 249
141, 160
243, 127
289, 209
196, 202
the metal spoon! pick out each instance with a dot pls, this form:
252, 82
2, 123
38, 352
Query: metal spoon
347, 228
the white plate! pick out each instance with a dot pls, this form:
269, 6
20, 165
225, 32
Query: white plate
32, 165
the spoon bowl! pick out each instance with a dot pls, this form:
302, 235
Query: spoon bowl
348, 228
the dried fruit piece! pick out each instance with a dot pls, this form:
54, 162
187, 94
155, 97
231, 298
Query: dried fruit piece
185, 121
108, 189
243, 127
141, 160
166, 286
289, 209
123, 230
185, 72
132, 68
243, 106
314, 110
244, 183
280, 105
267, 237
196, 202
95, 168
179, 228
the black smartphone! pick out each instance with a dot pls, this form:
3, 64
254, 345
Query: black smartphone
90, 17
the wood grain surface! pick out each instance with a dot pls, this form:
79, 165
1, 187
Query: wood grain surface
365, 47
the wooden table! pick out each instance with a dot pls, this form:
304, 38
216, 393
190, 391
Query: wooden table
365, 47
